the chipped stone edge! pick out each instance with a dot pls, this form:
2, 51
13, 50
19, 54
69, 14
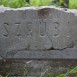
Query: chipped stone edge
69, 53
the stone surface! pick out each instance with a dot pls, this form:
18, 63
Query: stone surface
32, 38
37, 29
52, 54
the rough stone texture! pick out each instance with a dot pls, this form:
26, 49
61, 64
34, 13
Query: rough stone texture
43, 55
37, 28
38, 35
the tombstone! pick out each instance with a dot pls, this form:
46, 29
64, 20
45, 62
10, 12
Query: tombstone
43, 33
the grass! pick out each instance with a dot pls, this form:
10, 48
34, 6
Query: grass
23, 3
14, 3
69, 73
40, 2
47, 72
73, 4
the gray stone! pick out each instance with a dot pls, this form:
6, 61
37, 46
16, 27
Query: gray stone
52, 54
37, 29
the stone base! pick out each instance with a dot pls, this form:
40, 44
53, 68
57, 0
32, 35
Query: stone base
69, 53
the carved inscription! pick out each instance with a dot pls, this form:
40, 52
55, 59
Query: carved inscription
17, 29
20, 29
56, 28
5, 27
29, 28
31, 34
42, 28
10, 29
36, 29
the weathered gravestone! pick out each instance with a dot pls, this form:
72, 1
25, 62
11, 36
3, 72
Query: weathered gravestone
25, 31
38, 33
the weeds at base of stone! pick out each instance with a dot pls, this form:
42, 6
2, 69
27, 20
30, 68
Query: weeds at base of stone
71, 72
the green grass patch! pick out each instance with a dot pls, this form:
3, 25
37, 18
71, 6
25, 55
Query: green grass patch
22, 3
73, 4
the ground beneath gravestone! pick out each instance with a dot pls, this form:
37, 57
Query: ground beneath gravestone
34, 68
